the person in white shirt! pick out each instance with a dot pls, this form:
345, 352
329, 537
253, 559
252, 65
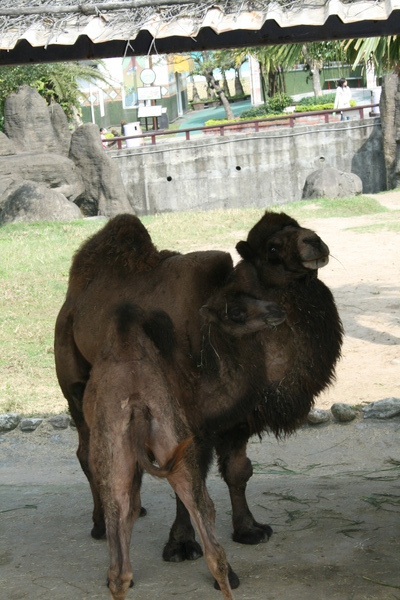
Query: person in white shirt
343, 97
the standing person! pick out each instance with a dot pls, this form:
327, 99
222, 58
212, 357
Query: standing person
103, 137
343, 97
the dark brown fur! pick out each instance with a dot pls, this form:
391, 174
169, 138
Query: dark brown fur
232, 374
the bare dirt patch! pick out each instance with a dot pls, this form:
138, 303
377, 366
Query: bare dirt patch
330, 492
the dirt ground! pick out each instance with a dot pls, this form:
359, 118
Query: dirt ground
330, 492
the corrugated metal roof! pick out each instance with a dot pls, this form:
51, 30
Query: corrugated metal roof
47, 30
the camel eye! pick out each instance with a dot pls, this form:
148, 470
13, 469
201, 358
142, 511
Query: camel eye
236, 314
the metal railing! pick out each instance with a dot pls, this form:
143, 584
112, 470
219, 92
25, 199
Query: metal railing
256, 124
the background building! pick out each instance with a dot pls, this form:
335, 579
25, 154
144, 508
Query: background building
160, 79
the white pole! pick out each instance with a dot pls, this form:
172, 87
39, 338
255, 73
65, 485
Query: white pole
91, 102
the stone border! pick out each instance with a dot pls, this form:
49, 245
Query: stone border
338, 413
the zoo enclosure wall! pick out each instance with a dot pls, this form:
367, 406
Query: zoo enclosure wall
253, 169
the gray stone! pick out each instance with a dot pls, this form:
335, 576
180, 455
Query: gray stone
104, 190
30, 202
30, 424
343, 412
318, 415
59, 421
332, 183
382, 409
52, 170
9, 421
61, 130
27, 122
7, 147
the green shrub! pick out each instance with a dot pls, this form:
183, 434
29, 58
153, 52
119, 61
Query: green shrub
254, 113
273, 106
279, 102
325, 99
311, 107
325, 106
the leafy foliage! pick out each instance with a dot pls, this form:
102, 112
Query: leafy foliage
55, 82
273, 106
308, 100
383, 52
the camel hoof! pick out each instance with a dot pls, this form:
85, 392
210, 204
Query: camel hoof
180, 551
234, 580
256, 534
98, 532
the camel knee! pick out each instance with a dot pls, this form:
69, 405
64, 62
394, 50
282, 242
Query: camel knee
237, 473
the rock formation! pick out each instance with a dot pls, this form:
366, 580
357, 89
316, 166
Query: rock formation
331, 183
47, 174
104, 191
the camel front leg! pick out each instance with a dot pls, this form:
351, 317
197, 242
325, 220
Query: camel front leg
236, 469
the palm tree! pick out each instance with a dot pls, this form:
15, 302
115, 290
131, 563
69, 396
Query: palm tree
384, 54
55, 82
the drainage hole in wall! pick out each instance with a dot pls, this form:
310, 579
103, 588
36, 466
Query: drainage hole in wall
169, 178
238, 168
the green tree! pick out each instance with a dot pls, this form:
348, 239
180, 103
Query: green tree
205, 64
384, 54
55, 82
274, 60
227, 60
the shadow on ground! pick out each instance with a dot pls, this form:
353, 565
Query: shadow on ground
331, 494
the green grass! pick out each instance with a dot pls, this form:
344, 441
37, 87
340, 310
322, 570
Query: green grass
35, 261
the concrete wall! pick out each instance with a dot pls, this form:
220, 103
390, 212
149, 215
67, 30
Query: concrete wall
254, 169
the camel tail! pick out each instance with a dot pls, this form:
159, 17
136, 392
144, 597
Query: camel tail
142, 434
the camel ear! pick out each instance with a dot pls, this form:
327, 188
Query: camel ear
245, 250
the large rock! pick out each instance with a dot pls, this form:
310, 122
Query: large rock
7, 147
104, 191
27, 122
61, 130
53, 170
29, 201
331, 183
382, 409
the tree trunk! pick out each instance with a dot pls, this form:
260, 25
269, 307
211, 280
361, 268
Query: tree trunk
390, 113
397, 117
226, 86
214, 85
316, 78
271, 83
195, 93
239, 91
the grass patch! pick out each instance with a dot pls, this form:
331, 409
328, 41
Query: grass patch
324, 208
34, 274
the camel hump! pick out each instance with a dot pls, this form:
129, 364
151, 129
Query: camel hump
155, 324
123, 246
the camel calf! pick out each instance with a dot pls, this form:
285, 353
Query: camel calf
133, 407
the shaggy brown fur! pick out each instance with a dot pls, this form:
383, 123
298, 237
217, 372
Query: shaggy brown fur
233, 375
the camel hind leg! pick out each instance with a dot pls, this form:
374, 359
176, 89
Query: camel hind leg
188, 483
117, 476
73, 372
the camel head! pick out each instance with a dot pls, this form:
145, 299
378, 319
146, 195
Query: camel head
282, 251
240, 314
